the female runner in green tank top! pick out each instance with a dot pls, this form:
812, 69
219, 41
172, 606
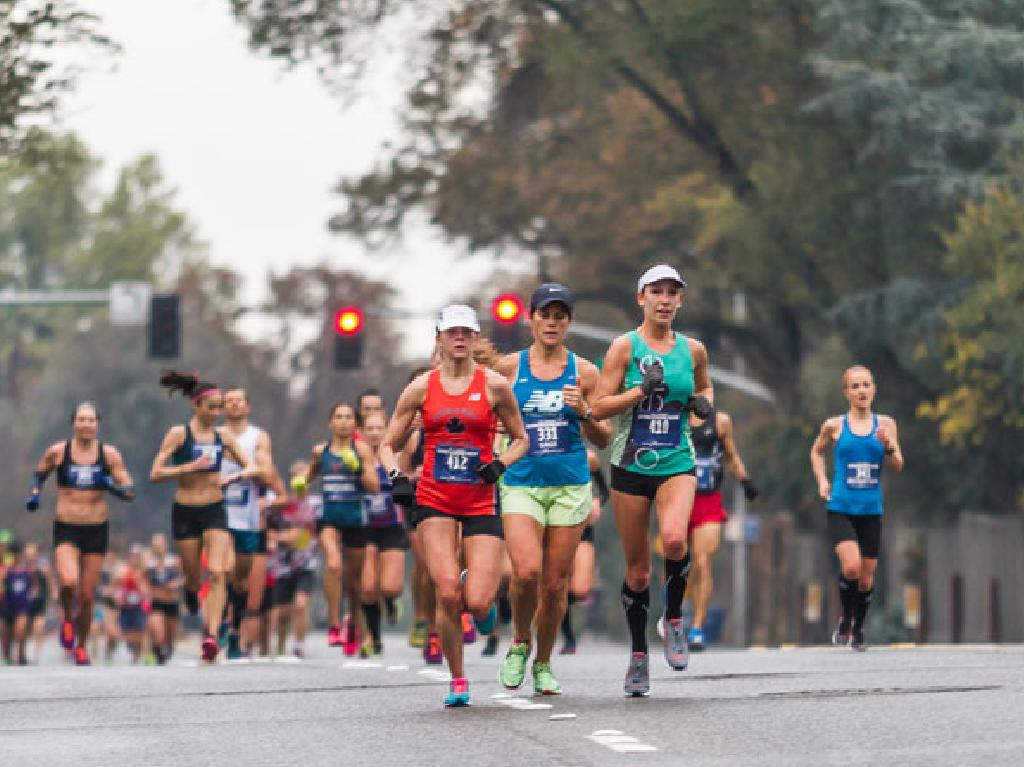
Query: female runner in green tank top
652, 379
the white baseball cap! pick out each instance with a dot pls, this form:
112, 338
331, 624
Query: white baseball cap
457, 316
659, 272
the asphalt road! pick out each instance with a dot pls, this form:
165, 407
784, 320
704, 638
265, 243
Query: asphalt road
818, 706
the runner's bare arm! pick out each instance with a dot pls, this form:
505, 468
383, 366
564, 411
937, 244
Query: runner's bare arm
732, 455
598, 432
889, 437
249, 468
369, 476
702, 386
506, 408
608, 400
409, 403
161, 471
822, 443
313, 469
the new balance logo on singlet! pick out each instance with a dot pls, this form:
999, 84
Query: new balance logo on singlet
544, 402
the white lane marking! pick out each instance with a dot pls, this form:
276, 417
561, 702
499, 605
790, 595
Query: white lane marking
561, 717
623, 744
522, 704
436, 675
498, 695
399, 667
238, 662
286, 659
361, 664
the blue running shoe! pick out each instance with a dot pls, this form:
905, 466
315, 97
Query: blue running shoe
486, 626
696, 640
458, 693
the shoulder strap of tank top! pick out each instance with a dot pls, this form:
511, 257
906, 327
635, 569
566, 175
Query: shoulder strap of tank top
66, 460
571, 368
874, 422
523, 365
103, 459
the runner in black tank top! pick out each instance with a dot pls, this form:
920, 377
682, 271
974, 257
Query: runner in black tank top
715, 450
86, 470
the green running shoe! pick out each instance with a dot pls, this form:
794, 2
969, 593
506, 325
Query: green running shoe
544, 682
513, 669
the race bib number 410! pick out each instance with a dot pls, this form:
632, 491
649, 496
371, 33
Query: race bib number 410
657, 429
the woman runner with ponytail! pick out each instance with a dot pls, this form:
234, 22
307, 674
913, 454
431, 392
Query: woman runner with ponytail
192, 454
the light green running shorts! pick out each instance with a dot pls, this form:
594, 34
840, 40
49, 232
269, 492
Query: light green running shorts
558, 506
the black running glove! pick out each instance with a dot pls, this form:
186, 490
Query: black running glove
654, 378
749, 489
403, 490
490, 472
699, 406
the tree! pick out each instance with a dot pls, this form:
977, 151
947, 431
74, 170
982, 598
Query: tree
31, 79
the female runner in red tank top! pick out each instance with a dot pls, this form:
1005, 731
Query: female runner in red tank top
461, 403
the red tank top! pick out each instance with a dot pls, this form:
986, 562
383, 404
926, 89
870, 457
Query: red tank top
458, 435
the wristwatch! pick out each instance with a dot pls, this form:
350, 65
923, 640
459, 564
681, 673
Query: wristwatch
394, 474
890, 450
586, 416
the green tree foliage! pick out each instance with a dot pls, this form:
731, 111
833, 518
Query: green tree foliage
978, 405
805, 153
31, 79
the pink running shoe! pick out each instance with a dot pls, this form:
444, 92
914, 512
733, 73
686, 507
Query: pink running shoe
209, 649
334, 637
468, 629
432, 654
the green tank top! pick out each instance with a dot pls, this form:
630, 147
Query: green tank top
654, 437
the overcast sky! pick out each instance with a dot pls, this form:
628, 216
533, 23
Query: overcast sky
253, 150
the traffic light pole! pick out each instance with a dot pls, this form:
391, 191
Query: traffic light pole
54, 297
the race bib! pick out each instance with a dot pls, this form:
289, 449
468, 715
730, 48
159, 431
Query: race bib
212, 451
456, 465
861, 476
706, 469
85, 477
380, 510
657, 429
549, 436
339, 489
237, 494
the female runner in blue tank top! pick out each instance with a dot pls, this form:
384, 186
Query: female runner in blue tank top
863, 443
651, 380
545, 497
191, 454
347, 471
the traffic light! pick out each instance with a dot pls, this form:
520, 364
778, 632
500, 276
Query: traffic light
164, 326
507, 316
348, 338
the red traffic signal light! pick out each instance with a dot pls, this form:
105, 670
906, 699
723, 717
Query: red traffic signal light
507, 308
348, 321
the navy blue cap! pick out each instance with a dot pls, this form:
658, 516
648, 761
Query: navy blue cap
550, 293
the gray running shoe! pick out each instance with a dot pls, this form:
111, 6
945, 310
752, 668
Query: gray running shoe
857, 640
677, 651
841, 636
638, 675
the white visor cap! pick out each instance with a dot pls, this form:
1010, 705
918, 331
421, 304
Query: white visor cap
457, 316
656, 273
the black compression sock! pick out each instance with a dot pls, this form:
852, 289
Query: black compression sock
372, 613
847, 596
676, 572
504, 609
567, 632
238, 599
389, 609
860, 612
636, 604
